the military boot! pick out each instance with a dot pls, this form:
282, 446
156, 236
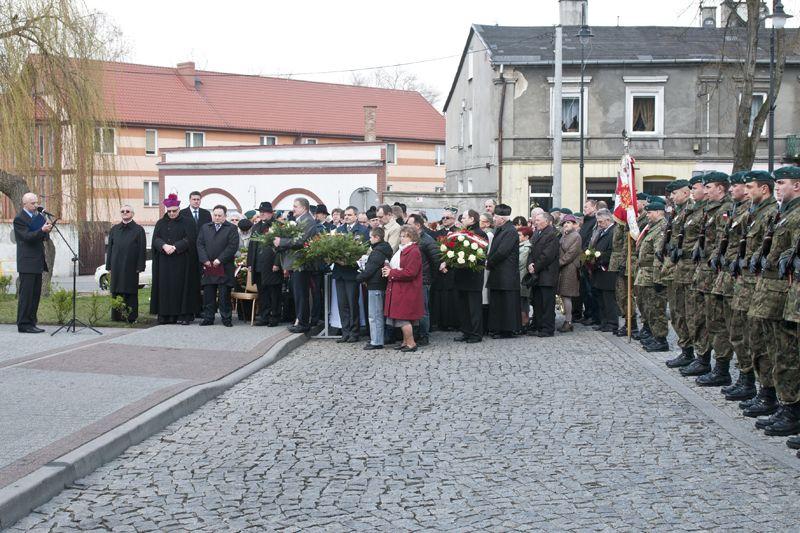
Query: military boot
701, 365
729, 388
622, 331
721, 375
643, 333
659, 344
793, 442
684, 358
767, 421
766, 403
789, 423
745, 389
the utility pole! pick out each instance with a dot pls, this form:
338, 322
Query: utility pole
556, 119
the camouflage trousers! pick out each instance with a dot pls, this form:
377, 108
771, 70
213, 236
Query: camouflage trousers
676, 294
655, 309
786, 370
762, 345
740, 340
718, 324
621, 295
696, 320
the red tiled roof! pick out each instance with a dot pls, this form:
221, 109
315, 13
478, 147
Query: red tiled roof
148, 95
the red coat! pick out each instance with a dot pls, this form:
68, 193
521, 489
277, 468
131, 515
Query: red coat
404, 289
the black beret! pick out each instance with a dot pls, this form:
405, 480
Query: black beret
554, 210
738, 177
788, 173
642, 196
566, 210
716, 177
655, 206
697, 179
759, 175
680, 184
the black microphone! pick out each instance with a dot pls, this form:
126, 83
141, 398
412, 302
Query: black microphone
42, 211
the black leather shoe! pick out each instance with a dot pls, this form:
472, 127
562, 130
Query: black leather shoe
207, 323
298, 329
474, 340
793, 442
607, 328
406, 349
766, 403
30, 329
462, 338
545, 334
788, 424
227, 323
718, 377
36, 330
259, 323
659, 344
684, 358
745, 390
351, 340
342, 340
423, 341
373, 347
504, 335
272, 323
701, 365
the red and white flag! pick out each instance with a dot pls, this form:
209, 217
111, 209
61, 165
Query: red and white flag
625, 207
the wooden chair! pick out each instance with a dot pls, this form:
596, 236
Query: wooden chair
250, 293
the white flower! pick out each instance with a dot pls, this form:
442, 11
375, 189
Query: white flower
460, 254
292, 223
597, 254
451, 254
460, 237
472, 258
588, 252
460, 261
443, 248
474, 246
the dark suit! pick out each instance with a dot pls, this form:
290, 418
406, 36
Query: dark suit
30, 265
347, 286
260, 259
301, 275
203, 217
221, 244
544, 258
603, 281
586, 299
469, 290
502, 261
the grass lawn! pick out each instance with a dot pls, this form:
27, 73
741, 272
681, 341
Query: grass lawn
92, 310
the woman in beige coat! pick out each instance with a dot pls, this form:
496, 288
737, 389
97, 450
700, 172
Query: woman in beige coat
569, 260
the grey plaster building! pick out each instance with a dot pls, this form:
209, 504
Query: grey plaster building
673, 89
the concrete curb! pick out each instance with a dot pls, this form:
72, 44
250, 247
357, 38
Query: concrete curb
38, 487
778, 453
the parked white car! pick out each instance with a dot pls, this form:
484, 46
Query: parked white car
145, 278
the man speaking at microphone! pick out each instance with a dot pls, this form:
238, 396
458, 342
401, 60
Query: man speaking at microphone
31, 229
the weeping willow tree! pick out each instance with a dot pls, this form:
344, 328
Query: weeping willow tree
52, 108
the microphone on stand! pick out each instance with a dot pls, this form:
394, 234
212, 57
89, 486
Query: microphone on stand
42, 211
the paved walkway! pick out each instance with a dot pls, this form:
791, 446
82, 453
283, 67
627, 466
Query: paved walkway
57, 393
580, 432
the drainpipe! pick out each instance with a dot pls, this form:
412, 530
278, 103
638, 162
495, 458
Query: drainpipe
500, 137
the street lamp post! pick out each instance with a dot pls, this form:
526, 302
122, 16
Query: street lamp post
778, 18
584, 34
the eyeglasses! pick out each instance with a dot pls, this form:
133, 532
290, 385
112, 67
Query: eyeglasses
123, 211
172, 210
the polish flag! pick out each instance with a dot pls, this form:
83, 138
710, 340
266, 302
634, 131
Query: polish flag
625, 195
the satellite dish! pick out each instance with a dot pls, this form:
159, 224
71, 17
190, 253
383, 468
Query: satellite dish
363, 197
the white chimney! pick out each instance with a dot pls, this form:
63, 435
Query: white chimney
572, 12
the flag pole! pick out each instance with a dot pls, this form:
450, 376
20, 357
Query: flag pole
628, 239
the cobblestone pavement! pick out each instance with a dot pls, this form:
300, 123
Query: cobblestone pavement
564, 433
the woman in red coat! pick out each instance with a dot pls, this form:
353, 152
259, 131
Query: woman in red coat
404, 306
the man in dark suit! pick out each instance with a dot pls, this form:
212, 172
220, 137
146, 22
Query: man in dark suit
30, 232
543, 267
265, 271
502, 262
217, 244
346, 283
603, 281
301, 274
195, 212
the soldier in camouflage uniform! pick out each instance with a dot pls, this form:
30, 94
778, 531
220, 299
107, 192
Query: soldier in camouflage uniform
735, 319
644, 333
787, 367
676, 293
648, 276
694, 301
718, 205
619, 264
760, 185
780, 362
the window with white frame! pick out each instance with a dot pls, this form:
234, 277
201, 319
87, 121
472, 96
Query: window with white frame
309, 141
195, 139
391, 154
570, 121
755, 105
104, 140
151, 194
440, 155
150, 142
644, 110
268, 140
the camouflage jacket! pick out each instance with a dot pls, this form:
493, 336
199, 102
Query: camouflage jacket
769, 298
791, 309
759, 218
730, 231
619, 252
715, 218
648, 273
684, 271
678, 219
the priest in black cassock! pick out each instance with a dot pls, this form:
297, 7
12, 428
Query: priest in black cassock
125, 258
502, 262
175, 296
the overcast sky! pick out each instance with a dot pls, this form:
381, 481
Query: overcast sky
311, 36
